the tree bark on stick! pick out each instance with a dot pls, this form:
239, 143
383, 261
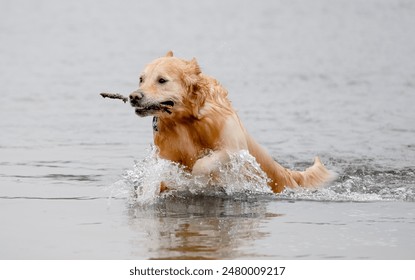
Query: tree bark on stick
114, 96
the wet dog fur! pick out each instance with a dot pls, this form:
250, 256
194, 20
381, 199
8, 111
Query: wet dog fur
197, 126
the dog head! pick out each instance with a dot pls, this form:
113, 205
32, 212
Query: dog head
168, 87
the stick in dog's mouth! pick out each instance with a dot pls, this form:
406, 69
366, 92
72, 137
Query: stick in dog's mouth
114, 96
164, 106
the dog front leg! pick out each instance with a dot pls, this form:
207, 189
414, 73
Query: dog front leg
208, 166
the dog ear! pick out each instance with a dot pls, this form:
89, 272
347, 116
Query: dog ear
169, 54
191, 72
192, 78
195, 66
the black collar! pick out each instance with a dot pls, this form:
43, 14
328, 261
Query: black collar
155, 124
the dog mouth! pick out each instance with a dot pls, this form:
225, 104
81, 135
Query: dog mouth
167, 104
149, 109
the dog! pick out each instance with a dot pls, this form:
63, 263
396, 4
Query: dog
196, 126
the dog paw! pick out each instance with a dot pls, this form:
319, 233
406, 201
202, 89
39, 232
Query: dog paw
163, 187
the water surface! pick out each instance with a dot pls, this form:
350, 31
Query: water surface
333, 79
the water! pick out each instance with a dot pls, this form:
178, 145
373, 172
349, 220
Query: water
333, 79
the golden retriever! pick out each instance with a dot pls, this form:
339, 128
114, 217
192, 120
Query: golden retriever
195, 125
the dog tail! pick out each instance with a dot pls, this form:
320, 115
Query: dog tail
315, 176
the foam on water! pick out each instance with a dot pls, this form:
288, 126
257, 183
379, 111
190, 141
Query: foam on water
242, 178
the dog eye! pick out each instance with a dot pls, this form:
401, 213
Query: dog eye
162, 81
141, 80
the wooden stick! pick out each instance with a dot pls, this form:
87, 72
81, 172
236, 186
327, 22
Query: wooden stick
114, 96
165, 108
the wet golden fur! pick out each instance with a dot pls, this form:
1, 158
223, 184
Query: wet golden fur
198, 128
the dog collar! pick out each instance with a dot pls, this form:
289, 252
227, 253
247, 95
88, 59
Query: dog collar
155, 124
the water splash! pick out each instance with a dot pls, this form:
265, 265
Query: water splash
361, 183
243, 179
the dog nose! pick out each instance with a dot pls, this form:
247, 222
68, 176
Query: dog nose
135, 97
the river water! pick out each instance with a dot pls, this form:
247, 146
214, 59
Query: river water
328, 78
